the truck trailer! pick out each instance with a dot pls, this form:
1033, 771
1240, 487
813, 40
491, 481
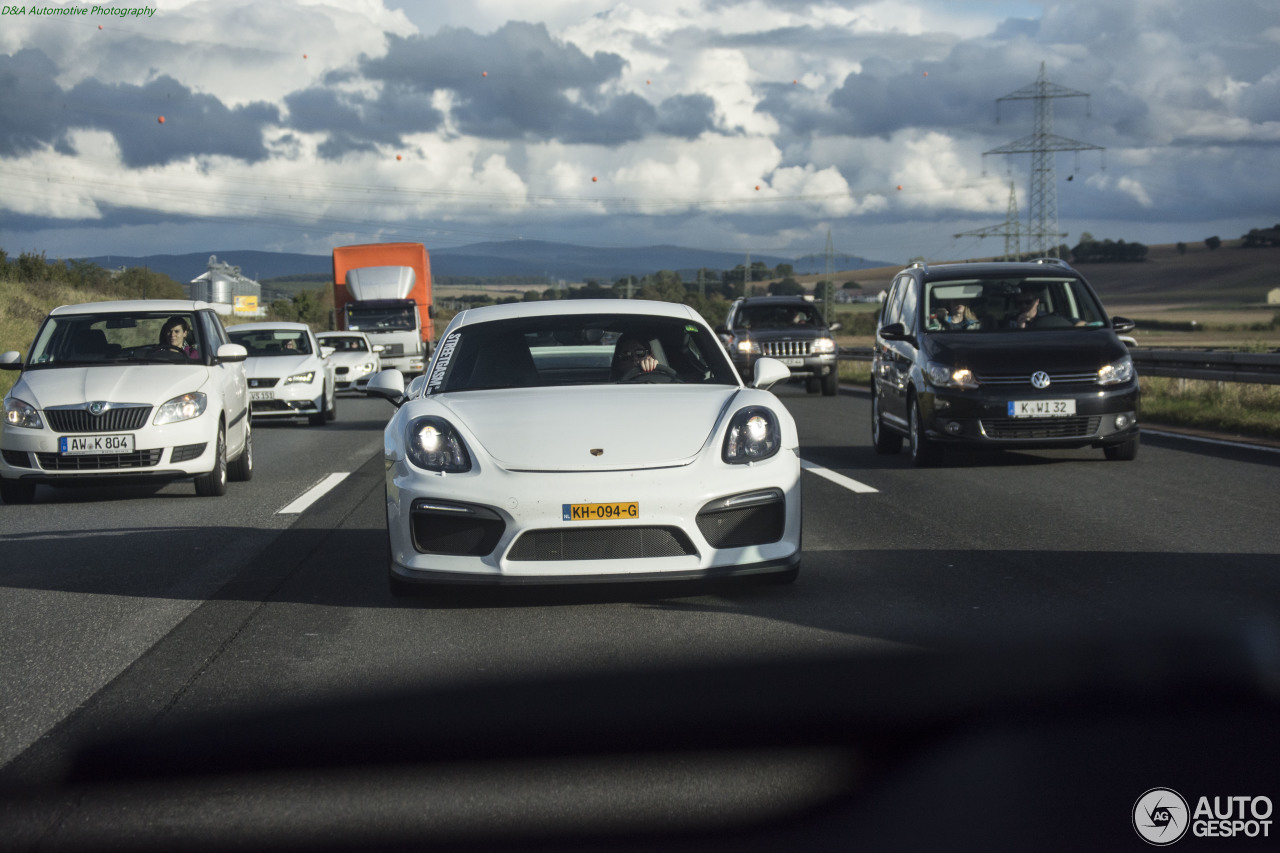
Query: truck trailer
384, 290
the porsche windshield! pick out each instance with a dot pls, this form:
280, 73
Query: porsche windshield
93, 339
579, 350
1010, 303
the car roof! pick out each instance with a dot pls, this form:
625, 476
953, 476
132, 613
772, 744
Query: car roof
341, 335
775, 300
260, 327
130, 305
564, 307
995, 268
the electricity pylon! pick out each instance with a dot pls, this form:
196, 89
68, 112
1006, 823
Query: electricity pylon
828, 255
1010, 230
1042, 229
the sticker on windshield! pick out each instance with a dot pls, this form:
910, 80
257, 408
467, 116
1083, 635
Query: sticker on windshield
443, 355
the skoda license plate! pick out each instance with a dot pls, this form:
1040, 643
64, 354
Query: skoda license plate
1042, 408
87, 445
601, 512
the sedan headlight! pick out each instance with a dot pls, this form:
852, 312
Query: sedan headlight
950, 377
822, 346
367, 367
1116, 372
753, 435
182, 408
434, 445
300, 377
20, 413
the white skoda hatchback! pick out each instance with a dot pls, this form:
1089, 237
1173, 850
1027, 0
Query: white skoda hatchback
585, 441
120, 391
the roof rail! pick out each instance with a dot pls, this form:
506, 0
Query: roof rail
1055, 261
919, 265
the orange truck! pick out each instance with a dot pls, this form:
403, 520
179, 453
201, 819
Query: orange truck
384, 290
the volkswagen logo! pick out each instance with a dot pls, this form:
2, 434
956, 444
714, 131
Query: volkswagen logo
1040, 379
97, 407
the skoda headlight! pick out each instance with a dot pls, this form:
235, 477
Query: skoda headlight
822, 346
753, 435
20, 413
1116, 372
945, 376
301, 377
434, 445
182, 408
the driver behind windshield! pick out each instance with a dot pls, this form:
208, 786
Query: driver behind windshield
176, 334
630, 354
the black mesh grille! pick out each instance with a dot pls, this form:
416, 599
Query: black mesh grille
17, 458
263, 383
187, 451
455, 533
738, 528
1041, 427
114, 420
105, 462
602, 543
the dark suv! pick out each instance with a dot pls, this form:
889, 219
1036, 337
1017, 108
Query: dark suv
788, 328
1000, 355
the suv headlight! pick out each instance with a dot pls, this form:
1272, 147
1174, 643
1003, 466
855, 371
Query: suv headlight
753, 435
20, 413
434, 445
822, 346
945, 376
1116, 372
746, 346
182, 408
300, 377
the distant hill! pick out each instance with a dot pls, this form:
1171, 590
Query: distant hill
481, 260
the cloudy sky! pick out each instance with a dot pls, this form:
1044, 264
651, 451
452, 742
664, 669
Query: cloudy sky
742, 125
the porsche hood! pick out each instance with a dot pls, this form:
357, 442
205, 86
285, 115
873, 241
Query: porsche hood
590, 428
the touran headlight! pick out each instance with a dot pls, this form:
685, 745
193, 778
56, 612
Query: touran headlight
301, 377
1116, 372
753, 435
949, 377
822, 346
20, 413
182, 408
434, 445
747, 346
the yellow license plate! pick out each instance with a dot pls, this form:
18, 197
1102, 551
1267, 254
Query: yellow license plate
601, 512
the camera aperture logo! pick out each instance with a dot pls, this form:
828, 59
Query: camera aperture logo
1160, 816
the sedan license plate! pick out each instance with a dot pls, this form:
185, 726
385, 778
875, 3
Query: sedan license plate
89, 445
262, 395
792, 362
601, 512
1042, 408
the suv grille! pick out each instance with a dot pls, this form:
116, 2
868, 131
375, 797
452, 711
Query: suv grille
602, 543
784, 349
1041, 427
79, 419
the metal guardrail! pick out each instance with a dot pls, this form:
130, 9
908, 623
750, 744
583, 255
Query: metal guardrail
1262, 368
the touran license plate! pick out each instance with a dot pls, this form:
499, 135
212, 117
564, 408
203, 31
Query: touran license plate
792, 362
85, 445
601, 512
262, 395
1042, 408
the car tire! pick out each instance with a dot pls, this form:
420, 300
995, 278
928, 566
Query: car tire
321, 417
241, 468
812, 385
16, 492
831, 383
214, 483
331, 414
1125, 451
886, 441
924, 452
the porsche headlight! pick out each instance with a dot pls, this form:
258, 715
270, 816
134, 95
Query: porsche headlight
20, 413
1116, 372
950, 377
182, 408
823, 346
301, 377
434, 445
753, 435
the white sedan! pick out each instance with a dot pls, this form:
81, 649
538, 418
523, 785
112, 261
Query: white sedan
139, 390
290, 373
355, 359
583, 441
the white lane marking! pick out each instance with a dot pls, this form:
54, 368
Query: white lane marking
1241, 444
314, 493
838, 479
